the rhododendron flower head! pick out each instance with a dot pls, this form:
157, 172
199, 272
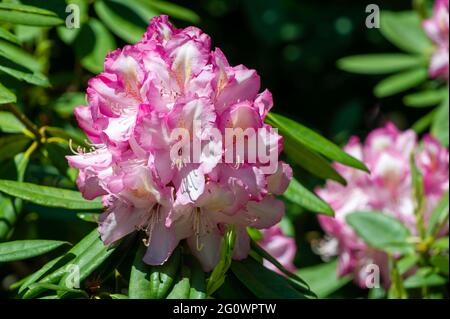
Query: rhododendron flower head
388, 189
156, 118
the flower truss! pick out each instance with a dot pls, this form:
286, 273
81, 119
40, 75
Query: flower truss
156, 118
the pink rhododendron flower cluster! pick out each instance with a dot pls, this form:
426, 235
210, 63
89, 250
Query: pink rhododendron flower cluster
388, 189
437, 28
279, 246
170, 80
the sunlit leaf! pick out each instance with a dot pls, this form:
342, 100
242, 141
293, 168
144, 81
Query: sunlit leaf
24, 249
379, 63
48, 196
28, 15
400, 82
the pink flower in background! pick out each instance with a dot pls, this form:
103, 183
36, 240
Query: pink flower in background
171, 80
437, 28
280, 246
388, 189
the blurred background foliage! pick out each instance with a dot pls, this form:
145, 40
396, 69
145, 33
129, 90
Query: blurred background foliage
294, 45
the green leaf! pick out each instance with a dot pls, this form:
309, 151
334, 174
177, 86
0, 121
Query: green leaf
68, 35
52, 271
424, 98
441, 244
89, 260
9, 123
217, 276
182, 288
92, 45
6, 96
263, 282
424, 122
11, 145
24, 249
173, 10
380, 231
8, 216
119, 296
440, 125
404, 29
197, 279
48, 196
35, 78
110, 14
59, 288
5, 34
439, 214
303, 197
264, 254
400, 82
406, 263
323, 278
424, 277
89, 217
311, 161
163, 277
304, 136
140, 284
379, 63
441, 263
57, 156
66, 103
19, 56
28, 15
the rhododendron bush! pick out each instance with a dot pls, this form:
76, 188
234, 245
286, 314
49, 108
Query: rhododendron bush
140, 161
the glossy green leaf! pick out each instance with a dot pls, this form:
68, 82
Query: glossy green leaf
89, 217
440, 125
439, 214
92, 45
8, 216
6, 96
163, 277
424, 98
323, 278
173, 10
400, 82
89, 260
59, 288
424, 277
441, 244
28, 15
311, 161
119, 296
441, 263
197, 279
9, 123
35, 78
140, 284
379, 63
24, 249
217, 276
406, 263
263, 282
264, 254
11, 145
312, 140
19, 56
52, 271
303, 197
182, 288
110, 14
404, 29
380, 231
6, 35
424, 122
48, 196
